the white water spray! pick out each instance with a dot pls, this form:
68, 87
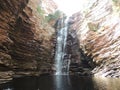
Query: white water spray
61, 64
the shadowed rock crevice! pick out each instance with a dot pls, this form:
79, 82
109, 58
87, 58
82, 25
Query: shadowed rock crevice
80, 63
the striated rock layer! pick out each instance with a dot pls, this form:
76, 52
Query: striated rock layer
97, 29
49, 6
26, 41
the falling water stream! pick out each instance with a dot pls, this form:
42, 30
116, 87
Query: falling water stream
61, 64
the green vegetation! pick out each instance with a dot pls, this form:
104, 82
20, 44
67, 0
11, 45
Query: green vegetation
93, 27
54, 16
117, 2
40, 11
51, 17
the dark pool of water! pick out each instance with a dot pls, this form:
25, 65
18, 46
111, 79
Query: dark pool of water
61, 83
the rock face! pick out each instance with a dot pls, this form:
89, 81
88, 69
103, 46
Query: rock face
97, 29
26, 41
80, 63
49, 6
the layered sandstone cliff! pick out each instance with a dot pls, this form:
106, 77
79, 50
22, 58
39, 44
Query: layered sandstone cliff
97, 29
49, 6
26, 41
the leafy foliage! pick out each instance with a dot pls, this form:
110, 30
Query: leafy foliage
54, 16
40, 11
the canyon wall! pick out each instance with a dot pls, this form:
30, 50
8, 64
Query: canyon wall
97, 30
26, 40
49, 6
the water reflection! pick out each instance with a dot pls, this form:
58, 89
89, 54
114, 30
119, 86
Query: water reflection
82, 83
27, 83
8, 89
102, 83
73, 83
62, 82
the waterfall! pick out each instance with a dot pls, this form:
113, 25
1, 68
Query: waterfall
61, 63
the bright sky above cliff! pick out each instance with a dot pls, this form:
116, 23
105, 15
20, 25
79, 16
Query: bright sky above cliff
70, 6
